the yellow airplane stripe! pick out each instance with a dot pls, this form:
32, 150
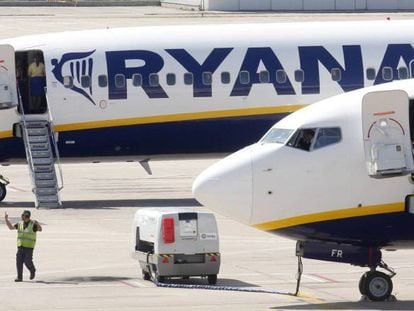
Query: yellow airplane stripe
171, 118
6, 134
178, 117
332, 215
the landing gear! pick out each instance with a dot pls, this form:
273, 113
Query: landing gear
3, 183
375, 285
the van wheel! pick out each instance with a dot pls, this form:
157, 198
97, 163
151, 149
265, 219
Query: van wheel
145, 275
3, 191
159, 278
212, 279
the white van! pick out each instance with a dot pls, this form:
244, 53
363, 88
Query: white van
176, 242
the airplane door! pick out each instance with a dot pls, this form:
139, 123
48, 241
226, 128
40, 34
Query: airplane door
386, 133
8, 89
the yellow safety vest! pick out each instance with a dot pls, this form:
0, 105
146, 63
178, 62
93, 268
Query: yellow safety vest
26, 237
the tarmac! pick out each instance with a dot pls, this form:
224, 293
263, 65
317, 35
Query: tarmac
83, 254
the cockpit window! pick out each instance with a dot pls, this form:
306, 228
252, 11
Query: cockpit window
327, 136
315, 138
276, 136
303, 139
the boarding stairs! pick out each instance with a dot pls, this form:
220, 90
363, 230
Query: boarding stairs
38, 141
43, 158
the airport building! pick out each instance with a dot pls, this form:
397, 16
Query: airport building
294, 5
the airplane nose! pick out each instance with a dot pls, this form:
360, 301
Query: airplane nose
226, 186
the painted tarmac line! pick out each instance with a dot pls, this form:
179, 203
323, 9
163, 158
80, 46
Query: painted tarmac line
319, 278
16, 189
136, 284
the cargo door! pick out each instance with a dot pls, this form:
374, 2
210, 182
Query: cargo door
386, 133
8, 90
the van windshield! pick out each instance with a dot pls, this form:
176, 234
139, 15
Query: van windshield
276, 136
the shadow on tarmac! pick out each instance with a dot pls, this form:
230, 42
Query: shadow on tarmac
191, 281
203, 281
90, 279
113, 204
358, 305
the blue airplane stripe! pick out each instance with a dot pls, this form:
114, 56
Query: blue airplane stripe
182, 137
371, 230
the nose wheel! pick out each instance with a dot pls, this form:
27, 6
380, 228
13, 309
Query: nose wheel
376, 285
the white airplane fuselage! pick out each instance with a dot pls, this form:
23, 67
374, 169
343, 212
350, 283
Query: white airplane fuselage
151, 91
325, 193
336, 176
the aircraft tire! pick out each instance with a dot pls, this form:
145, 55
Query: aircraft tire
378, 286
3, 191
361, 284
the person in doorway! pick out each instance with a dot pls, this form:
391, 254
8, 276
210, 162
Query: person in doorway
37, 75
26, 241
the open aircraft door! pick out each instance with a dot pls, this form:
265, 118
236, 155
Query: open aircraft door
8, 88
386, 133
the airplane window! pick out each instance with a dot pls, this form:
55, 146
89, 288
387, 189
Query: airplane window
154, 79
299, 75
86, 81
336, 74
264, 76
102, 80
225, 77
403, 73
371, 73
207, 78
137, 79
188, 78
327, 136
276, 136
120, 81
244, 77
303, 139
171, 80
68, 81
281, 76
387, 73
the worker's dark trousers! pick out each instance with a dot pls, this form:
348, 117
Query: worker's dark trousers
24, 255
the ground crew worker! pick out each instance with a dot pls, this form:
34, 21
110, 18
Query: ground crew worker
26, 240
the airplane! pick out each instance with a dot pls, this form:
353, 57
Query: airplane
138, 94
336, 176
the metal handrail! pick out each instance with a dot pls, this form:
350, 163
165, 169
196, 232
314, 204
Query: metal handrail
54, 142
29, 155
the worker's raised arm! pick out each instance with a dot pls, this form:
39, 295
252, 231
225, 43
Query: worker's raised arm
8, 223
39, 227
